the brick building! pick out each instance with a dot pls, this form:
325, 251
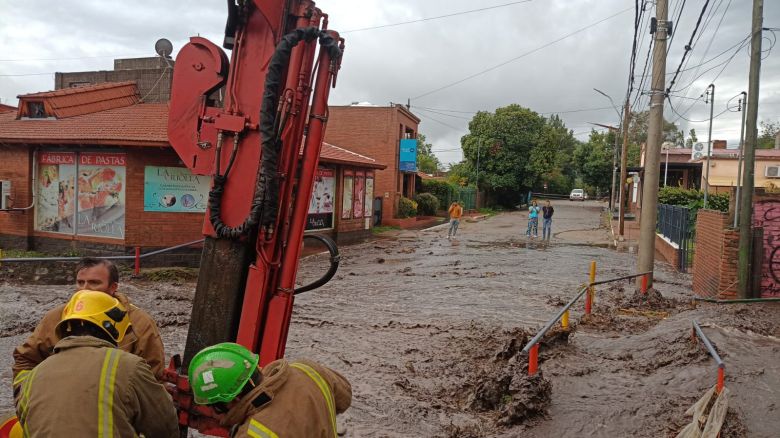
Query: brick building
90, 169
378, 131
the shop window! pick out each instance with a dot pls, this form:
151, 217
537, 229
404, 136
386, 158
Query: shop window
81, 193
320, 215
347, 192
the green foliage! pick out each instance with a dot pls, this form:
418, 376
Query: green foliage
594, 162
517, 150
426, 160
693, 199
383, 228
407, 208
444, 191
692, 139
769, 129
427, 204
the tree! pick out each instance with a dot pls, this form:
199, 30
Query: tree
426, 161
593, 160
637, 135
769, 131
511, 156
692, 139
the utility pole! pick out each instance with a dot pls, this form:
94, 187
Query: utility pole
476, 196
711, 96
653, 149
623, 173
614, 175
742, 103
751, 134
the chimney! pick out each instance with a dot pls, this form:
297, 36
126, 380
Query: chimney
718, 144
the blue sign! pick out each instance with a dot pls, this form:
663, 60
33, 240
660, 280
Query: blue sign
407, 157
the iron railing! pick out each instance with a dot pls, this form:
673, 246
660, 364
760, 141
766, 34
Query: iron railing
676, 224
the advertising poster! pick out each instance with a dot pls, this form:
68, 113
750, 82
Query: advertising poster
322, 198
56, 185
367, 206
101, 194
346, 204
407, 156
359, 198
175, 190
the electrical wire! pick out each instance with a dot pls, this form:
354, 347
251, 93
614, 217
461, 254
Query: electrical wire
440, 122
435, 18
452, 84
688, 47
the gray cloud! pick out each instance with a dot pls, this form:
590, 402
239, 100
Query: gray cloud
395, 63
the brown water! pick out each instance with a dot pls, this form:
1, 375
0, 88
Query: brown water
428, 331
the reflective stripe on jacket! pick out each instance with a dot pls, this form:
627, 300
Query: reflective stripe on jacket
89, 388
304, 400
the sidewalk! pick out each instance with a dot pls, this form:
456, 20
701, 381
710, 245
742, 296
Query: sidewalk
630, 229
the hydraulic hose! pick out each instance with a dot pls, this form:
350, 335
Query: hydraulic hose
335, 258
266, 198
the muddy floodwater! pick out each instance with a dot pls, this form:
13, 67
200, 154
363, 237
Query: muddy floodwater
429, 332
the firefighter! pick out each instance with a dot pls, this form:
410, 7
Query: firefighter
88, 387
100, 275
258, 402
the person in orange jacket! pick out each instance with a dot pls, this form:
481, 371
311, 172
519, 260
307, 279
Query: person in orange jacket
100, 275
455, 211
88, 387
282, 399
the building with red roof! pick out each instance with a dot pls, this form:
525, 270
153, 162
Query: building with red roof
90, 169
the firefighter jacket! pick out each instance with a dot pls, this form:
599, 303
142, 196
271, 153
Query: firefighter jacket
89, 388
143, 339
299, 399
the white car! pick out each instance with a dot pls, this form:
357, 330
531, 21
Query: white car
577, 195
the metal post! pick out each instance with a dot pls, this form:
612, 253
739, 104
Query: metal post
623, 174
751, 134
614, 150
592, 290
742, 102
533, 360
652, 166
476, 197
709, 146
666, 169
137, 270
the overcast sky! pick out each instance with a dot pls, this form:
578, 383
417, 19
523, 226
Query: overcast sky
514, 40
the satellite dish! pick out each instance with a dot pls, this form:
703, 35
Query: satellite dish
163, 47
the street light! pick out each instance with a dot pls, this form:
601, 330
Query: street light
614, 150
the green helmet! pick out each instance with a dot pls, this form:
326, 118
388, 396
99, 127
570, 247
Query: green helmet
218, 373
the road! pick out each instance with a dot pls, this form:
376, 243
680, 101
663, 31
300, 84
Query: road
428, 332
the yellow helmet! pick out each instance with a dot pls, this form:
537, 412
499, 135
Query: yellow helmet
98, 308
10, 427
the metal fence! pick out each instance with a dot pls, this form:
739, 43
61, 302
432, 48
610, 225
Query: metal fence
677, 224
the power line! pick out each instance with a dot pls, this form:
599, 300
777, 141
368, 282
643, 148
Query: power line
25, 74
688, 46
435, 18
540, 113
440, 122
521, 56
67, 59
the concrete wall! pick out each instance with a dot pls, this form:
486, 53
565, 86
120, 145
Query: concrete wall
666, 252
723, 173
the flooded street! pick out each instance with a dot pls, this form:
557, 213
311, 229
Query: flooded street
429, 332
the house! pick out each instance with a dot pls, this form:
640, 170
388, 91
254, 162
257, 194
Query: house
90, 169
387, 133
